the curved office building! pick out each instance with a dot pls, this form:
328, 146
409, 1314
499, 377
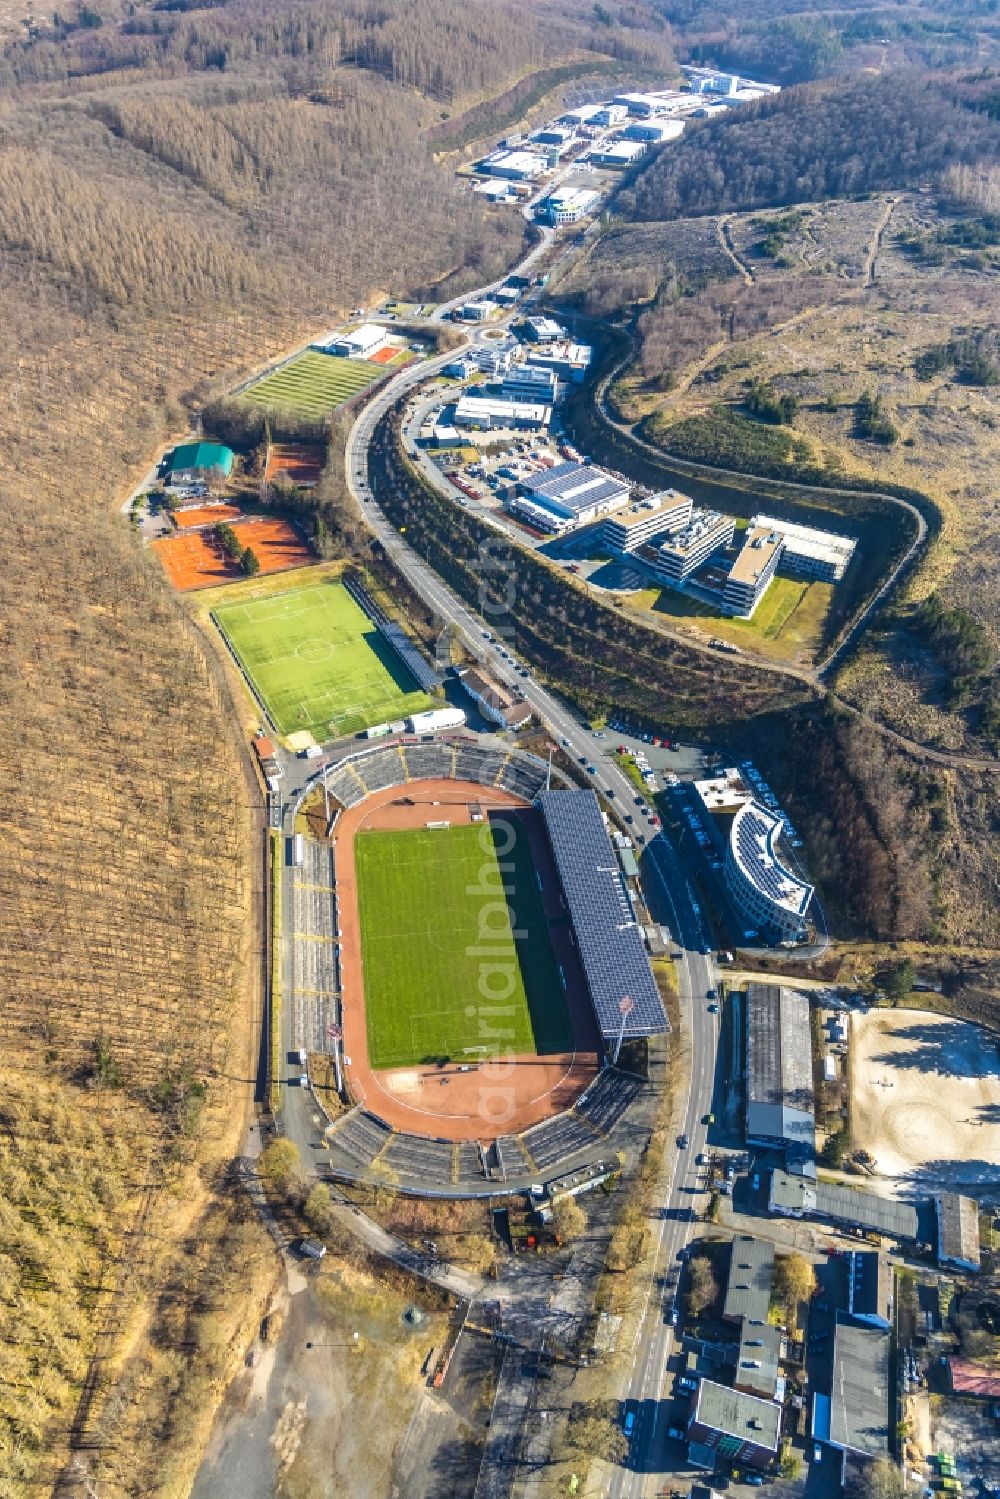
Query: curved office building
767, 893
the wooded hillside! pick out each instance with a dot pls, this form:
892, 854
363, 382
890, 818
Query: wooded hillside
184, 196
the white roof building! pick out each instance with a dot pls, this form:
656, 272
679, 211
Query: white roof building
359, 343
489, 413
544, 330
808, 551
518, 166
620, 154
765, 891
577, 493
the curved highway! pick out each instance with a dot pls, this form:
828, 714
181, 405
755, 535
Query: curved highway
673, 900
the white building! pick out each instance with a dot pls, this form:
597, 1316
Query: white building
359, 343
492, 359
488, 414
517, 166
496, 192
572, 494
477, 312
751, 574
726, 85
620, 154
530, 382
706, 533
459, 369
582, 115
654, 132
609, 114
435, 720
567, 205
569, 360
542, 330
629, 529
642, 106
809, 552
767, 893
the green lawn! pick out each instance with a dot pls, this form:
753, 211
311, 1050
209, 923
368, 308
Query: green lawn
317, 662
426, 987
314, 383
788, 619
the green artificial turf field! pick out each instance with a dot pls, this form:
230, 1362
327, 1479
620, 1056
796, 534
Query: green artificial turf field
317, 662
313, 384
420, 901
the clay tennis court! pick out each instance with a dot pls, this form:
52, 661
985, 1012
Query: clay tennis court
383, 356
195, 559
452, 1102
295, 463
205, 515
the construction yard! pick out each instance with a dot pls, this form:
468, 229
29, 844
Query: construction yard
925, 1098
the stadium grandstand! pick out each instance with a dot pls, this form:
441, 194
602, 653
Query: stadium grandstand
422, 673
620, 981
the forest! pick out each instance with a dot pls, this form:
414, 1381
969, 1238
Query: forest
824, 140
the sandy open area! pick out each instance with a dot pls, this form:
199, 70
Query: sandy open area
926, 1097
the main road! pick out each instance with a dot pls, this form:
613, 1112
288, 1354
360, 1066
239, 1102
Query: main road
671, 896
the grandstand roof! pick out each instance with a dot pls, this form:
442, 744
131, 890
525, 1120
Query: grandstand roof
753, 839
612, 952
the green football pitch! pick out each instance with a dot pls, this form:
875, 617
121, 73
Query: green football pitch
431, 991
314, 383
317, 662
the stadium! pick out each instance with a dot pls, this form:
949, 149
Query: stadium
483, 968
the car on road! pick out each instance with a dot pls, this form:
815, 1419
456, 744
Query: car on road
675, 1317
628, 1426
701, 1159
564, 743
708, 1119
682, 1142
629, 817
592, 770
713, 1009
583, 759
676, 1434
755, 1184
711, 993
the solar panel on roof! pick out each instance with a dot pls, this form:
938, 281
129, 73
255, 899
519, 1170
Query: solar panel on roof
611, 947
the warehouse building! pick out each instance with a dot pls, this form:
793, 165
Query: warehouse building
767, 894
655, 515
567, 205
618, 155
199, 463
530, 382
574, 494
558, 134
779, 1085
707, 532
654, 133
751, 574
870, 1287
495, 191
643, 106
854, 1417
797, 1197
488, 413
516, 166
359, 343
957, 1231
583, 115
809, 552
727, 1424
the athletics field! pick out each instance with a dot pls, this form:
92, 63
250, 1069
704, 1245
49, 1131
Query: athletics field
317, 662
426, 896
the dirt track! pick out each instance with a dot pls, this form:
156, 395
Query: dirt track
446, 1102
